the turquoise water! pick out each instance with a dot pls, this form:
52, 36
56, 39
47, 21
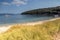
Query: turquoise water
11, 19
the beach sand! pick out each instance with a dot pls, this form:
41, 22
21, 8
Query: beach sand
7, 27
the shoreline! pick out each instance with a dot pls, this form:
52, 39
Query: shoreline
40, 22
6, 27
34, 22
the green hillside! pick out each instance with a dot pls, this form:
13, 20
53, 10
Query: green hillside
50, 11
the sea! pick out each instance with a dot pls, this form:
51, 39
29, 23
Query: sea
15, 19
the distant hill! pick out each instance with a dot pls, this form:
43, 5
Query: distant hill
44, 11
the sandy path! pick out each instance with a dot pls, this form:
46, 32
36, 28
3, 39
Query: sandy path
5, 28
56, 36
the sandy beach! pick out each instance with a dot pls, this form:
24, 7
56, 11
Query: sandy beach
6, 27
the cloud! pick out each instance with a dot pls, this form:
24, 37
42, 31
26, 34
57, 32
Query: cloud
16, 2
5, 3
19, 2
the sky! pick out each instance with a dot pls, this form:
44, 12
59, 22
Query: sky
19, 6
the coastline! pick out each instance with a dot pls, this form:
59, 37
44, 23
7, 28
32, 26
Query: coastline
40, 22
6, 27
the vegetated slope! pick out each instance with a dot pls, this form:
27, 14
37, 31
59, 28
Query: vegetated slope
35, 32
44, 11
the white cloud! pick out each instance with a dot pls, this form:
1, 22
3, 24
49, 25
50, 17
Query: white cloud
5, 3
16, 2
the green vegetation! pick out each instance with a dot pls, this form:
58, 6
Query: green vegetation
30, 32
44, 11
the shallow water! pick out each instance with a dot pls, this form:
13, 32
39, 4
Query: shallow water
11, 19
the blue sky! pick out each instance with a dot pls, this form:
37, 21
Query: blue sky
19, 6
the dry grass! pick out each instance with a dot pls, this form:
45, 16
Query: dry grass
35, 32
